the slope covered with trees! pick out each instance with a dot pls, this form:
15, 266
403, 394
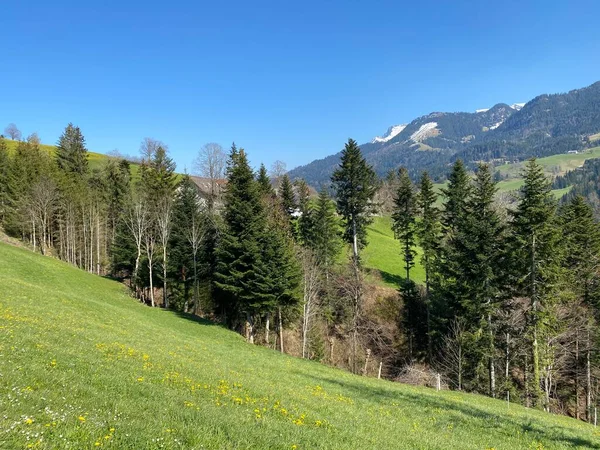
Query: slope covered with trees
495, 306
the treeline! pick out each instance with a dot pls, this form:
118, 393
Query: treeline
509, 306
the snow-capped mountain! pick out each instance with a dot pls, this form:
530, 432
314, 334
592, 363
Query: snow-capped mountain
546, 125
391, 133
515, 106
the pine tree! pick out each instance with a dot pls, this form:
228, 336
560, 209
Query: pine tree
450, 292
324, 231
456, 195
239, 253
264, 182
355, 185
71, 153
536, 254
6, 182
404, 219
286, 193
428, 234
185, 241
481, 266
303, 223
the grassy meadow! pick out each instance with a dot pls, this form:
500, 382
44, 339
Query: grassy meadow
95, 160
84, 366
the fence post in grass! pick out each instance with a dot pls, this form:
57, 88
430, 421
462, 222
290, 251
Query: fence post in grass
508, 399
379, 373
595, 416
438, 382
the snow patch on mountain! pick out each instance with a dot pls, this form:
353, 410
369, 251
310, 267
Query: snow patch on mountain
390, 134
426, 130
496, 125
517, 106
482, 110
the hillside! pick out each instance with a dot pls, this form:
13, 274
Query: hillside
545, 126
96, 160
82, 365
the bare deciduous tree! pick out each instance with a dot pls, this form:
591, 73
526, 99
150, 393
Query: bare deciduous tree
311, 284
278, 170
44, 195
136, 219
13, 132
34, 139
149, 146
163, 224
210, 163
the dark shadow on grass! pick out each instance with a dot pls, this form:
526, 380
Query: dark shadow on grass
199, 320
491, 420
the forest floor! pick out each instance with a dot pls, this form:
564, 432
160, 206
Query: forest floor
83, 365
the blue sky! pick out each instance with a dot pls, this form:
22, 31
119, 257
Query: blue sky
285, 80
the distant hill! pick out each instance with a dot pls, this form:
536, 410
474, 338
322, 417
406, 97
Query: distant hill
544, 126
95, 160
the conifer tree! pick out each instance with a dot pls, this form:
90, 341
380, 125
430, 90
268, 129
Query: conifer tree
428, 233
480, 267
239, 253
264, 182
6, 182
324, 229
536, 258
404, 219
451, 252
71, 153
355, 184
582, 239
286, 193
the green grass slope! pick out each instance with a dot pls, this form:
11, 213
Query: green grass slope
383, 254
84, 366
95, 160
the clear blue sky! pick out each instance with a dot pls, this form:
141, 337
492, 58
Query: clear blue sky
285, 80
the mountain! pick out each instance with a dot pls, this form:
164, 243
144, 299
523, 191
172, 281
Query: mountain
546, 125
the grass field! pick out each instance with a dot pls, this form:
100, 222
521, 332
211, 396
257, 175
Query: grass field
383, 255
95, 160
83, 366
553, 165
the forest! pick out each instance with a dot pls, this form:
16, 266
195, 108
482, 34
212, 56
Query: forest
509, 306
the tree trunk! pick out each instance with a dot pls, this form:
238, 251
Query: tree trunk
267, 325
576, 375
151, 283
491, 359
280, 329
165, 298
354, 239
249, 328
588, 376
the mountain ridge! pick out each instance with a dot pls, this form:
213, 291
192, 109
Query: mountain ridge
546, 125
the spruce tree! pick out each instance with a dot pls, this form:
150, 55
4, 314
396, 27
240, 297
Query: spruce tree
6, 182
71, 153
404, 219
481, 267
536, 255
428, 234
264, 181
355, 184
448, 280
286, 194
324, 226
